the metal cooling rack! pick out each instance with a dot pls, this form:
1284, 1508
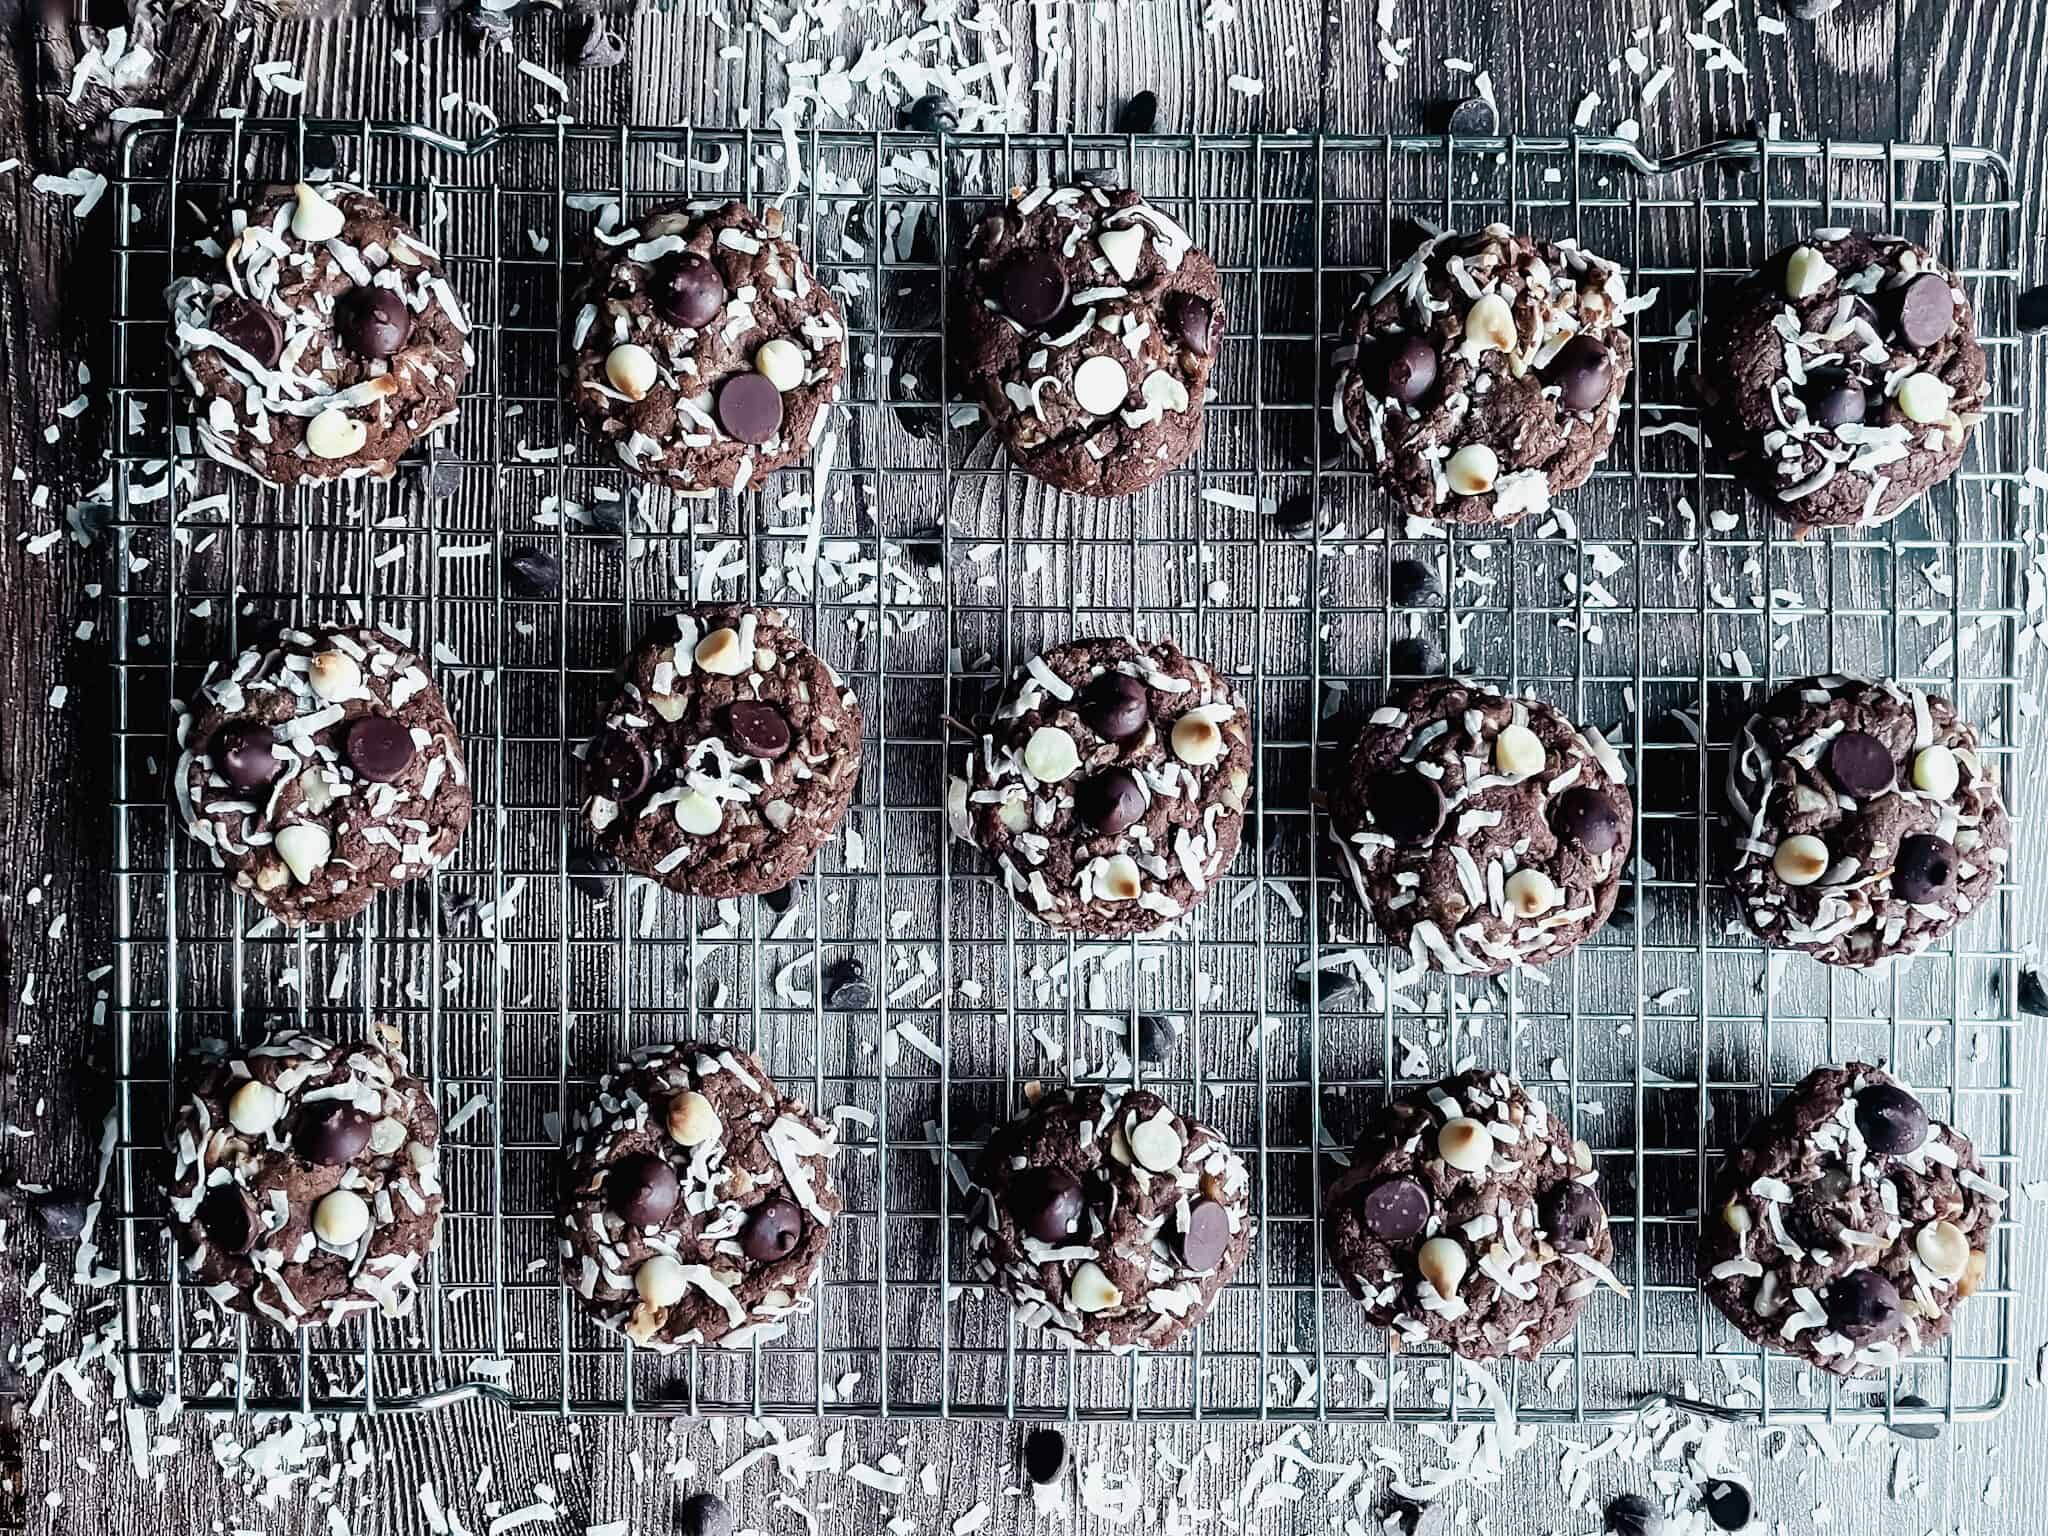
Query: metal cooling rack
514, 983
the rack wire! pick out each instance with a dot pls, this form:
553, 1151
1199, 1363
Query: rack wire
1661, 613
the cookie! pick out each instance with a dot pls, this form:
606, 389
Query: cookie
326, 344
1110, 787
321, 770
727, 758
1483, 832
1842, 378
1087, 323
1866, 823
1486, 374
1469, 1217
305, 1183
706, 353
699, 1200
1849, 1225
1108, 1219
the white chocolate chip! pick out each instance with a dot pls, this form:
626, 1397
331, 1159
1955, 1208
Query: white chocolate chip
334, 676
1120, 879
387, 1136
721, 652
1100, 385
334, 434
1806, 273
1050, 755
255, 1108
341, 1218
1123, 246
1531, 892
1735, 1217
1443, 1264
1196, 740
304, 849
1519, 751
781, 362
1473, 469
1800, 860
660, 1281
1936, 772
1489, 324
1943, 1248
1090, 1290
645, 1322
1156, 1144
1924, 398
315, 218
1464, 1144
691, 1119
697, 813
667, 705
631, 369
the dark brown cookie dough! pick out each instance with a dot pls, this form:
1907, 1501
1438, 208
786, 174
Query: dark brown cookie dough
1866, 822
1088, 322
1843, 378
1486, 374
1108, 1219
321, 770
1483, 832
1110, 787
1469, 1217
326, 345
699, 1200
306, 1179
728, 757
1848, 1226
707, 354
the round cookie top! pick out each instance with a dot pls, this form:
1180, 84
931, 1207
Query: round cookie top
327, 343
1088, 322
1486, 373
1109, 1219
1849, 1224
1866, 823
1469, 1217
728, 757
699, 1201
306, 1178
1110, 787
1483, 832
322, 769
706, 352
1843, 377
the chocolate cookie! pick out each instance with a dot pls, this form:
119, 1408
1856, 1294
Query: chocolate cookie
728, 757
1866, 824
1848, 1226
699, 1201
328, 343
306, 1185
1087, 323
322, 770
1843, 378
1110, 787
1483, 832
706, 352
1486, 374
1469, 1217
1108, 1219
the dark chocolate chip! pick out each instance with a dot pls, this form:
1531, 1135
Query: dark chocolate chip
705, 1514
1630, 1514
1812, 1217
1473, 115
1115, 706
1583, 372
772, 1231
2033, 993
379, 748
1922, 309
1405, 368
374, 322
1045, 1455
931, 113
757, 729
1412, 584
1296, 513
1864, 1305
1573, 1215
1110, 801
846, 985
779, 899
1034, 288
1925, 868
228, 1219
1587, 817
619, 764
1911, 1401
1207, 1237
1860, 765
1395, 1209
643, 1189
251, 327
1406, 806
1833, 398
1415, 656
1158, 1034
592, 44
1727, 1503
1891, 1119
1139, 114
749, 407
534, 574
2031, 311
1327, 987
330, 1133
590, 872
246, 756
61, 1214
1192, 322
1046, 1202
687, 290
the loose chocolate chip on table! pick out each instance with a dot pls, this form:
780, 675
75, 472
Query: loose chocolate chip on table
331, 1133
246, 757
1411, 584
1189, 318
1926, 867
227, 1219
931, 113
1207, 1237
62, 1215
1406, 806
1860, 765
779, 899
1582, 372
1922, 309
688, 290
643, 1189
749, 407
1110, 801
1406, 368
846, 985
533, 573
592, 44
1295, 513
1630, 1514
1414, 656
1139, 114
758, 729
1395, 1209
1116, 706
1891, 1119
374, 322
1911, 1401
771, 1231
1158, 1034
2033, 993
1045, 1455
2031, 311
589, 872
1327, 987
1034, 288
1588, 818
619, 763
1046, 1202
1833, 398
251, 327
379, 748
1862, 1303
1727, 1503
1473, 115
705, 1514
1572, 1215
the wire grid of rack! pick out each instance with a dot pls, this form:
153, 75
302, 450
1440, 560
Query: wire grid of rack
513, 982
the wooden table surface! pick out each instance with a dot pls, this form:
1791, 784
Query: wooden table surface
1918, 69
